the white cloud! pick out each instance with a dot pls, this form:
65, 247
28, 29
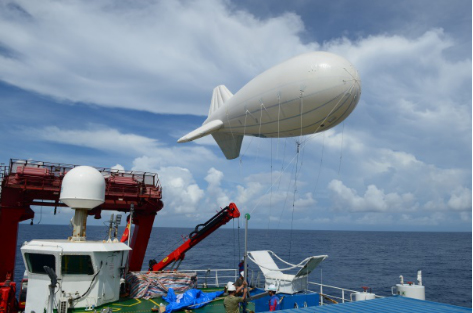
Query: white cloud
180, 155
434, 219
373, 200
374, 219
136, 55
97, 137
306, 202
382, 179
465, 216
245, 194
460, 199
180, 192
215, 194
439, 190
410, 86
214, 177
150, 152
118, 167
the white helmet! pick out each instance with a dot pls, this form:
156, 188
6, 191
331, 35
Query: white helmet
242, 273
231, 288
229, 284
272, 287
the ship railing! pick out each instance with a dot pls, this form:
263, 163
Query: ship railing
336, 294
218, 277
3, 172
214, 277
39, 175
328, 294
59, 169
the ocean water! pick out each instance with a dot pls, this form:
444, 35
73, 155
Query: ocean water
356, 259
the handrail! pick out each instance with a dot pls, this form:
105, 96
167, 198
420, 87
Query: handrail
343, 290
220, 280
57, 169
3, 172
328, 286
217, 278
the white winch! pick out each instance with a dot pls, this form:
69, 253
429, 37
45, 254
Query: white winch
362, 296
410, 289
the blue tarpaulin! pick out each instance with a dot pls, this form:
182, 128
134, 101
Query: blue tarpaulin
193, 297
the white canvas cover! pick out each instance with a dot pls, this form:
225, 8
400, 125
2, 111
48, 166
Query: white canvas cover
286, 283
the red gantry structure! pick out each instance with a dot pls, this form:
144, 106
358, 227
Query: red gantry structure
26, 183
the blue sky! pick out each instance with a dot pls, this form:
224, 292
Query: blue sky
116, 83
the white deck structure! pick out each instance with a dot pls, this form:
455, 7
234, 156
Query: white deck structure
88, 272
285, 283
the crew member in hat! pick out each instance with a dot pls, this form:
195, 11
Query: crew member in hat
240, 283
273, 300
231, 302
241, 265
241, 290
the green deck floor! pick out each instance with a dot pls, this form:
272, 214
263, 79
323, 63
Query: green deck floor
142, 305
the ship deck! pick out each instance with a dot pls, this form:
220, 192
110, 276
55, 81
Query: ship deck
127, 305
394, 304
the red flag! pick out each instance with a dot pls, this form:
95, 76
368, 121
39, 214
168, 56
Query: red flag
126, 233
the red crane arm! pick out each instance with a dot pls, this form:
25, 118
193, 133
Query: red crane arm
200, 232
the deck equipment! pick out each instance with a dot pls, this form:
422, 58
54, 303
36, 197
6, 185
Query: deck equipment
285, 283
26, 183
200, 232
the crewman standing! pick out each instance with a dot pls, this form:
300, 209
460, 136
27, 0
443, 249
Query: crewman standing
231, 302
273, 300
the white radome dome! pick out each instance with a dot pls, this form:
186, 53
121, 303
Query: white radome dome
83, 187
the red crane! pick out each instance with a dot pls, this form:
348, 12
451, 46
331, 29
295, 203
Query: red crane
200, 232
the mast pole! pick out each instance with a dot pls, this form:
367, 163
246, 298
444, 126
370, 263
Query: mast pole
245, 268
132, 210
